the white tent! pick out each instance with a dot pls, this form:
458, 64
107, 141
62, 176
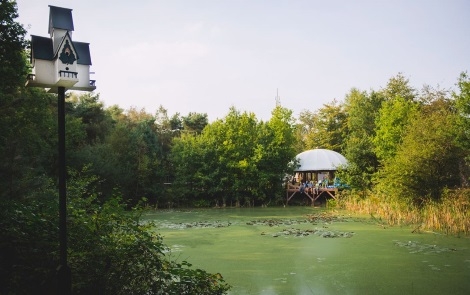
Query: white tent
320, 160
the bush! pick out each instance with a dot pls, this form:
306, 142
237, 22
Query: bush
110, 250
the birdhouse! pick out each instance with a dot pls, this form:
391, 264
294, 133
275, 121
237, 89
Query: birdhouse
57, 60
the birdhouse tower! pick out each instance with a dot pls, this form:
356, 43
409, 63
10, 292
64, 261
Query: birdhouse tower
60, 64
57, 60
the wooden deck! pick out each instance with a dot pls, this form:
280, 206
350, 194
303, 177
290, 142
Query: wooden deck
312, 193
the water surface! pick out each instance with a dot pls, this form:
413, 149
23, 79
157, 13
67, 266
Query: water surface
281, 251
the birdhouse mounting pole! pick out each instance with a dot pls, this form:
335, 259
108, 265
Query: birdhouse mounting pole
63, 271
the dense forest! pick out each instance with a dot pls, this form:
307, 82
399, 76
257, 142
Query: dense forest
408, 151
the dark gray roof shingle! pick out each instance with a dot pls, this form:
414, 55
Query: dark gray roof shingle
83, 52
60, 18
41, 48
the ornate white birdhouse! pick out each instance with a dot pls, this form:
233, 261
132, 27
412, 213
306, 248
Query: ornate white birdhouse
58, 61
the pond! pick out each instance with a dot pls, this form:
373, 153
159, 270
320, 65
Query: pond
307, 250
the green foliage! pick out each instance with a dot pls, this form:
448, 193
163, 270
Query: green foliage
462, 100
27, 142
194, 122
26, 121
275, 151
325, 128
393, 119
133, 150
94, 118
130, 152
111, 251
362, 109
236, 158
399, 86
427, 161
13, 65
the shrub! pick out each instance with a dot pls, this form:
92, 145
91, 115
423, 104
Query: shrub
110, 251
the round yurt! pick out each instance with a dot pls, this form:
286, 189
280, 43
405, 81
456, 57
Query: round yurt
315, 176
320, 160
318, 164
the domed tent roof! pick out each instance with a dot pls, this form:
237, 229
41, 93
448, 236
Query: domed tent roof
320, 160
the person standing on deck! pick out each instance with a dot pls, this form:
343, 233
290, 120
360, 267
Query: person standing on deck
302, 187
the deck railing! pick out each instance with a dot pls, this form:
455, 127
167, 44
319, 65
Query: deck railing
68, 74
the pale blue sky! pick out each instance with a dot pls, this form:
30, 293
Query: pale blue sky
206, 55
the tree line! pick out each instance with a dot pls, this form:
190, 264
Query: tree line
398, 141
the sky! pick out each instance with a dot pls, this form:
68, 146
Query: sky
206, 56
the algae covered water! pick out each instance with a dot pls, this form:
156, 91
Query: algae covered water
306, 250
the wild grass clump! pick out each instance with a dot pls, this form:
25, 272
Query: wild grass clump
450, 214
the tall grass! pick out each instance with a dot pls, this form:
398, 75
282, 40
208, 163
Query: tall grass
450, 215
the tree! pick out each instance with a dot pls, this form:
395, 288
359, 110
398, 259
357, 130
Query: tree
194, 122
91, 111
274, 152
13, 65
393, 118
399, 86
462, 102
27, 141
324, 128
176, 123
303, 127
427, 160
235, 158
237, 135
130, 158
362, 109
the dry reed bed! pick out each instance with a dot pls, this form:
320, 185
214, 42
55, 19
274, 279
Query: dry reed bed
450, 215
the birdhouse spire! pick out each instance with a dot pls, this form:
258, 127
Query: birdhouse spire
60, 24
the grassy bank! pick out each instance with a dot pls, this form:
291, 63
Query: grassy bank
449, 215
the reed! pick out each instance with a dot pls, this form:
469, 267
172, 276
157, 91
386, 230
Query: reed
450, 214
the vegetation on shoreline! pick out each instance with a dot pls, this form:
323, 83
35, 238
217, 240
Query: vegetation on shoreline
110, 250
449, 215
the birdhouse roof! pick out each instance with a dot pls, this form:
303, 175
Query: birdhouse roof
41, 48
60, 18
83, 51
